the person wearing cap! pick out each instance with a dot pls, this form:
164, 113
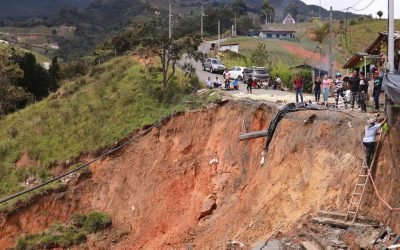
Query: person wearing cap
339, 92
371, 129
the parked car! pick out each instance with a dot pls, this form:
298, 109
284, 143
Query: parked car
213, 65
258, 73
236, 72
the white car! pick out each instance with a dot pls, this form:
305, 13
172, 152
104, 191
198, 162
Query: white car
236, 72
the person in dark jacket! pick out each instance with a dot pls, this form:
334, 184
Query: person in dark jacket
317, 88
354, 83
298, 85
377, 92
363, 92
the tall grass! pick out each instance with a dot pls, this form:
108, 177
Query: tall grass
85, 115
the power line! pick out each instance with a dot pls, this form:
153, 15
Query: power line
351, 6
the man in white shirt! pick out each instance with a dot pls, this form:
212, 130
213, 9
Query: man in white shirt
209, 83
217, 82
369, 138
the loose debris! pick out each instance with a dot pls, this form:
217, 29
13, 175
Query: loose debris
234, 245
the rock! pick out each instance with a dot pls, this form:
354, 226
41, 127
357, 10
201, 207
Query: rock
366, 239
31, 181
271, 245
201, 91
214, 161
308, 245
310, 119
234, 244
349, 124
209, 205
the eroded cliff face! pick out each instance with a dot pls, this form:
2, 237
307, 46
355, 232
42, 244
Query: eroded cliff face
192, 183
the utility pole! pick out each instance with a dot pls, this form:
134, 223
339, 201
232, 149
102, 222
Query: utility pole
219, 34
331, 69
235, 34
319, 10
201, 20
170, 21
388, 103
391, 36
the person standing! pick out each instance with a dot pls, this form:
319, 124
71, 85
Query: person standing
317, 88
277, 82
298, 85
249, 85
227, 77
326, 84
354, 83
339, 92
363, 92
369, 137
377, 92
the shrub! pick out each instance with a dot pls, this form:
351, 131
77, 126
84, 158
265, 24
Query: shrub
285, 73
96, 221
57, 236
64, 236
307, 80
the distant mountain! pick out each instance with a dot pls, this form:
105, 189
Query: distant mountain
19, 9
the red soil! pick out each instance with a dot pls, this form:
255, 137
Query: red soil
154, 189
307, 55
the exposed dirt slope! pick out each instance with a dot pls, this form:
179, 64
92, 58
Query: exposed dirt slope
156, 189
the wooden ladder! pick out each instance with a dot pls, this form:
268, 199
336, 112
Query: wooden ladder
359, 189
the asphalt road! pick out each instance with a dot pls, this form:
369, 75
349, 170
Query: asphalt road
203, 76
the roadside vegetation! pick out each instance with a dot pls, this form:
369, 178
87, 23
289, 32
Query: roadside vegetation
64, 236
86, 114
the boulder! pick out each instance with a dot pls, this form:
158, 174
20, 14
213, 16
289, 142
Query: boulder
209, 205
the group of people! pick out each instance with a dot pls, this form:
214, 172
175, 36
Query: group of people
253, 83
357, 92
228, 84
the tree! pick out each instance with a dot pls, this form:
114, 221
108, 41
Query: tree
223, 14
154, 36
260, 56
239, 7
319, 33
267, 11
380, 14
292, 9
12, 97
54, 73
244, 24
36, 79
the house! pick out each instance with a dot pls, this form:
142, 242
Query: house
363, 61
277, 34
289, 19
234, 47
374, 54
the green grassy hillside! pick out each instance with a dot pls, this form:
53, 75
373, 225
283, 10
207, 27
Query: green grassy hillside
85, 115
363, 33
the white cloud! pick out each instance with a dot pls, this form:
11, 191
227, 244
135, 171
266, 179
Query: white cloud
372, 9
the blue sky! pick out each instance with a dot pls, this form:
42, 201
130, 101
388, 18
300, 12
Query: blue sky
375, 6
